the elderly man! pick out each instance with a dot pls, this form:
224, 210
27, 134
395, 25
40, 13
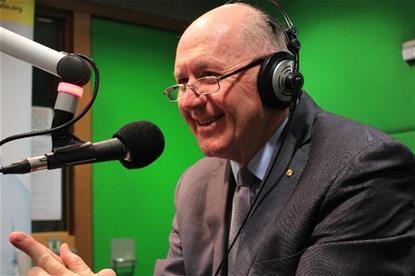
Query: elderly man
324, 195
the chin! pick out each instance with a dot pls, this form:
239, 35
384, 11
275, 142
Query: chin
213, 150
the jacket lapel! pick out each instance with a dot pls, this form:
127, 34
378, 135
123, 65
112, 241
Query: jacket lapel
299, 133
279, 185
217, 213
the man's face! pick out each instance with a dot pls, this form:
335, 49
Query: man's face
231, 123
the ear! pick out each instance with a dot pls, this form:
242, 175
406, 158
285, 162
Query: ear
275, 80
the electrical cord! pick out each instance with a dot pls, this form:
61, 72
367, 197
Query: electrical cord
294, 46
256, 201
70, 122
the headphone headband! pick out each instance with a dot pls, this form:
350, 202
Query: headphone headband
279, 78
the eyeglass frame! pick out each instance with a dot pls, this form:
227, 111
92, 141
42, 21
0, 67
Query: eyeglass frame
168, 90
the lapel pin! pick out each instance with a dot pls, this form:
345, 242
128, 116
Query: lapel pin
289, 172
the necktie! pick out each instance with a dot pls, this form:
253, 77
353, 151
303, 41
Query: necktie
240, 207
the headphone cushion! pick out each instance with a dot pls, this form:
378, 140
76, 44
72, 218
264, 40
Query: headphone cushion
266, 78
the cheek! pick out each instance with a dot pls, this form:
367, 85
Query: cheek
182, 111
248, 112
246, 102
186, 116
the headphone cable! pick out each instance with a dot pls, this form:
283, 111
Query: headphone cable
256, 202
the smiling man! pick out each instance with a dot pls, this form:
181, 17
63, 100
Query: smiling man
326, 205
222, 121
280, 192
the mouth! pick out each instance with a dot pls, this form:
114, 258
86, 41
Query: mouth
210, 120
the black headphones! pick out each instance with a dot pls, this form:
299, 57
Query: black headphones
279, 80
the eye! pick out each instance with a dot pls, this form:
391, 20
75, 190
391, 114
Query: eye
209, 74
182, 80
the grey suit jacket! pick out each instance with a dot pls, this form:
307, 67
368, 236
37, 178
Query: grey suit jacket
347, 209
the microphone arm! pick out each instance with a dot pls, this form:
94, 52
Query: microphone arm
69, 67
74, 73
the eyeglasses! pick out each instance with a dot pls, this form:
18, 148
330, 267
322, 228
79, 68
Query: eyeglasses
205, 85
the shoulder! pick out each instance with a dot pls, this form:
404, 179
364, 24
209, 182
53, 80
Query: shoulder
204, 168
198, 177
207, 164
335, 135
341, 148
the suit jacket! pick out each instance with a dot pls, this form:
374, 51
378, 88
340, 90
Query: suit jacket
348, 208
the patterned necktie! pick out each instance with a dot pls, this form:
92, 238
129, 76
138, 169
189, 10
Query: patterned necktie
240, 207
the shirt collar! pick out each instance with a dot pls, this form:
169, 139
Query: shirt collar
258, 165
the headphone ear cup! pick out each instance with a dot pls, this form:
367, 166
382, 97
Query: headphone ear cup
271, 84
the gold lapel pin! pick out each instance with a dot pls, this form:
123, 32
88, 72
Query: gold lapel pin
289, 172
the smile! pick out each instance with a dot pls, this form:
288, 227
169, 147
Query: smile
210, 120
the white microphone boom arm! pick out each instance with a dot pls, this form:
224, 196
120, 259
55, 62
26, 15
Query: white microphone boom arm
70, 68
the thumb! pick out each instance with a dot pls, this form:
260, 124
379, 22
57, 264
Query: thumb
73, 262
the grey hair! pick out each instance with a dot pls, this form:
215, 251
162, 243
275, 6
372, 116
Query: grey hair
261, 33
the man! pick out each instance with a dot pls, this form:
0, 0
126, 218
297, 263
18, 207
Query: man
330, 196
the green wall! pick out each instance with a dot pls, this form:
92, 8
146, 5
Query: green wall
136, 64
351, 60
352, 63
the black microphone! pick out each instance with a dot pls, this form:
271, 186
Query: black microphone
135, 145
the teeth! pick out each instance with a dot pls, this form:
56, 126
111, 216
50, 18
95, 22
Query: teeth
209, 120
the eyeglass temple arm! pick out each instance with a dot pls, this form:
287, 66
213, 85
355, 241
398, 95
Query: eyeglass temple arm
254, 63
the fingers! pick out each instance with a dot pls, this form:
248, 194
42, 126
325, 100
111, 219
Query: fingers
73, 261
106, 272
45, 258
49, 263
37, 271
76, 264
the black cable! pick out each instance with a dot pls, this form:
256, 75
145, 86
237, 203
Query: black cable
291, 38
69, 123
255, 205
284, 13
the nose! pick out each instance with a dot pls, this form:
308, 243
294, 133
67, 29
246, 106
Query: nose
190, 100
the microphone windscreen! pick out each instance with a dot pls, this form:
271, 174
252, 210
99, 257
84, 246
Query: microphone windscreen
143, 140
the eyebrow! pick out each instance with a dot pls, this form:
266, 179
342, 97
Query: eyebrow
201, 66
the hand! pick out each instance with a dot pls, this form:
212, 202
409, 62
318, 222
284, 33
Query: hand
49, 263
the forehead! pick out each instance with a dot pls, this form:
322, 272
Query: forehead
195, 60
207, 50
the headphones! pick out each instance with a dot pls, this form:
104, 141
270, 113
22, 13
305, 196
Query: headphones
279, 79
